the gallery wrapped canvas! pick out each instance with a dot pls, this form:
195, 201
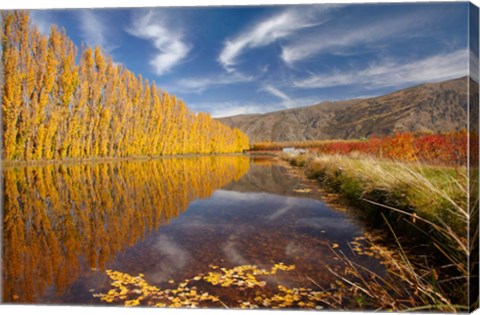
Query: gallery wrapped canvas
292, 157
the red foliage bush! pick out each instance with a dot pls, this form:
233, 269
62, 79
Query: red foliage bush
447, 148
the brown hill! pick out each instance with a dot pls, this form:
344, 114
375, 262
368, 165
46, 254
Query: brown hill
434, 107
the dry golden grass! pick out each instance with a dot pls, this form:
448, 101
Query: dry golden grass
434, 199
433, 193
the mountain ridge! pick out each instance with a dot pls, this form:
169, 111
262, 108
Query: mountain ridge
429, 107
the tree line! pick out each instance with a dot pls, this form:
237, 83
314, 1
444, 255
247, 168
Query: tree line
58, 105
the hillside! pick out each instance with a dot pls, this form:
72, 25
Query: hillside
432, 107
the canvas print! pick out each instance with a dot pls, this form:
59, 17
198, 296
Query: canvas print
292, 157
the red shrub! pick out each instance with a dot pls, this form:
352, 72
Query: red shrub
447, 149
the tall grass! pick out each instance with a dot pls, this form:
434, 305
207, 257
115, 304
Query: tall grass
405, 288
437, 194
431, 201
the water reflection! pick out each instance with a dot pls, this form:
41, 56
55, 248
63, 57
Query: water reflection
233, 228
62, 220
168, 219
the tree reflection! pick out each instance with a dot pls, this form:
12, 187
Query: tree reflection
59, 219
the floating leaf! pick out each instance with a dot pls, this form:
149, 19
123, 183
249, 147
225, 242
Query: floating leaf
304, 191
134, 291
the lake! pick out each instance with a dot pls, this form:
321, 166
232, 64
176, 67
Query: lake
170, 219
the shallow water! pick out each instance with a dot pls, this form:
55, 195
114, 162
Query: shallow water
169, 219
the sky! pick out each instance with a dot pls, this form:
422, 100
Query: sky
256, 59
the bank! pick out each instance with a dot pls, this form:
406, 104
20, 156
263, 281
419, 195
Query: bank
423, 208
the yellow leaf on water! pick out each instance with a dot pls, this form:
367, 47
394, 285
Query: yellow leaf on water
132, 303
185, 295
306, 190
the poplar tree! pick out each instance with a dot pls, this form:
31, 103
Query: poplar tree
55, 107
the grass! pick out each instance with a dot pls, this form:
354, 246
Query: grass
414, 202
404, 288
437, 194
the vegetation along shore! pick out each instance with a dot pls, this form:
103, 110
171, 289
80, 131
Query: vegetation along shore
418, 203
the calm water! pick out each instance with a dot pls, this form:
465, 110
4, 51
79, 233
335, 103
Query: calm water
169, 219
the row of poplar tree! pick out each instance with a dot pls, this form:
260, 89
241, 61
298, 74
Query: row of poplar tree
56, 107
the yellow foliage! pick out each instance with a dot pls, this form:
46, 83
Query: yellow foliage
132, 291
54, 108
110, 206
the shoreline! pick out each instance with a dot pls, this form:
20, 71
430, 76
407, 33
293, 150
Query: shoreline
379, 191
18, 163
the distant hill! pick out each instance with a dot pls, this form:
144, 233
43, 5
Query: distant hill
434, 107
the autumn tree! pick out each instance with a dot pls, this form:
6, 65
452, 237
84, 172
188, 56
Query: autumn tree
58, 105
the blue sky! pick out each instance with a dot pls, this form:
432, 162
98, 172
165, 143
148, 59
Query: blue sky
239, 60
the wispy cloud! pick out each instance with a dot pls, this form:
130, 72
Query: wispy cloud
42, 19
232, 108
352, 38
276, 92
168, 40
232, 253
95, 30
287, 101
395, 73
290, 204
265, 32
227, 108
200, 84
174, 258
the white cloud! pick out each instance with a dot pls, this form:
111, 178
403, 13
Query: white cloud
219, 109
395, 73
171, 48
232, 253
200, 84
95, 31
276, 92
287, 101
265, 68
226, 109
351, 38
267, 31
290, 204
42, 19
175, 258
